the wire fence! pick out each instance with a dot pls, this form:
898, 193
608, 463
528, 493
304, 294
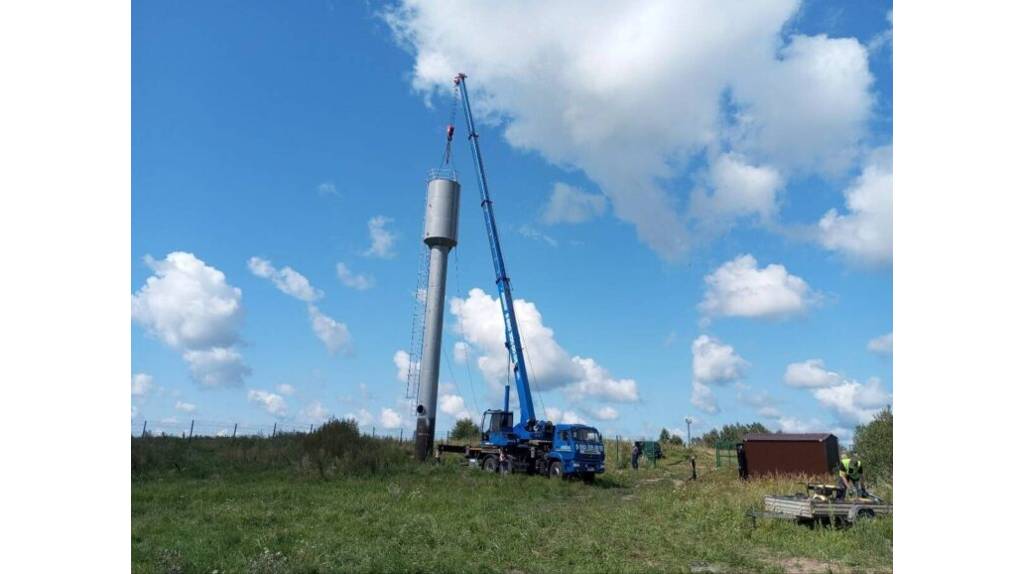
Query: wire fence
200, 428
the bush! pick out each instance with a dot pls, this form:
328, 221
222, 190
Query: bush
465, 429
337, 447
873, 444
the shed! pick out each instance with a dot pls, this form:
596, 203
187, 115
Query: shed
782, 453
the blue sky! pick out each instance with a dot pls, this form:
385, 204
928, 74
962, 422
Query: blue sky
632, 171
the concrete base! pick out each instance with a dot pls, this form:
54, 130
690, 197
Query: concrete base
424, 438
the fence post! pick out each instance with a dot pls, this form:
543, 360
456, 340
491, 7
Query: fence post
273, 433
234, 432
143, 429
191, 427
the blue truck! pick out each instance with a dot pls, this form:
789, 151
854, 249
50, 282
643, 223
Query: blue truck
530, 445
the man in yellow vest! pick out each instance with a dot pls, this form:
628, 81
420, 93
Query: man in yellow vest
851, 476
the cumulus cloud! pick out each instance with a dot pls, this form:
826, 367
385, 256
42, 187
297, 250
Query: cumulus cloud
569, 204
702, 398
605, 413
287, 280
382, 240
810, 373
558, 416
453, 406
864, 233
715, 362
390, 419
740, 289
739, 190
185, 407
357, 281
285, 389
315, 412
478, 319
363, 417
190, 306
460, 352
142, 384
217, 366
630, 92
759, 400
852, 402
270, 402
333, 334
881, 344
403, 363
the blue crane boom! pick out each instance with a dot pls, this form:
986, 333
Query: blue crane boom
513, 342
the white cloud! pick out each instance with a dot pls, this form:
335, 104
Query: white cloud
402, 363
702, 398
357, 281
191, 308
864, 233
382, 240
363, 417
797, 425
270, 402
854, 403
558, 416
715, 362
217, 366
287, 280
606, 413
315, 412
478, 320
629, 92
185, 407
390, 419
739, 289
881, 344
333, 334
811, 373
739, 190
453, 406
285, 389
142, 384
135, 412
759, 400
460, 352
569, 204
327, 188
530, 232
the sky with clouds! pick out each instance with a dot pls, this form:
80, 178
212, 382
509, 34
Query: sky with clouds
694, 198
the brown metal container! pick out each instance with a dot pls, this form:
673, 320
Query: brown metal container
778, 453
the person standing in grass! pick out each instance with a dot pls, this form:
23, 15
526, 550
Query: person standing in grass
851, 476
634, 457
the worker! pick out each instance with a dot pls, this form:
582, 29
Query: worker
634, 457
851, 476
503, 466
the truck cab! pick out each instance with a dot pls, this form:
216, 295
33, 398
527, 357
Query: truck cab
576, 450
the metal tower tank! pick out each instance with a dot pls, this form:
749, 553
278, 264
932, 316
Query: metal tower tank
440, 233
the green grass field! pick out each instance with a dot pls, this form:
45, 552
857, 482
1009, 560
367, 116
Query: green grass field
197, 517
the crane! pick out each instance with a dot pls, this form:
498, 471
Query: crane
530, 445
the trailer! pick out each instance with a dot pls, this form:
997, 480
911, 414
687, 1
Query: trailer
817, 508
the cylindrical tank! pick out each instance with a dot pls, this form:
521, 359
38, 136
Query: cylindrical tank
440, 233
441, 223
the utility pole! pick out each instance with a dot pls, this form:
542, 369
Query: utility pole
689, 421
273, 433
143, 429
234, 432
191, 427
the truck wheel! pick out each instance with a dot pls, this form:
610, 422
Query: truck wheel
865, 514
588, 477
490, 464
555, 470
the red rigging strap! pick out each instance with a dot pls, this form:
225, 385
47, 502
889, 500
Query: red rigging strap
451, 131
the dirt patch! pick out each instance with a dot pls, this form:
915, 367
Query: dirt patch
810, 566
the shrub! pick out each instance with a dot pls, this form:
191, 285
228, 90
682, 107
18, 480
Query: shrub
873, 444
465, 429
337, 447
731, 433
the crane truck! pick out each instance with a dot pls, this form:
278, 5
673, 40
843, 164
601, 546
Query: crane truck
530, 445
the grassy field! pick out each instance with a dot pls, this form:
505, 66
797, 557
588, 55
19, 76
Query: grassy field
203, 515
